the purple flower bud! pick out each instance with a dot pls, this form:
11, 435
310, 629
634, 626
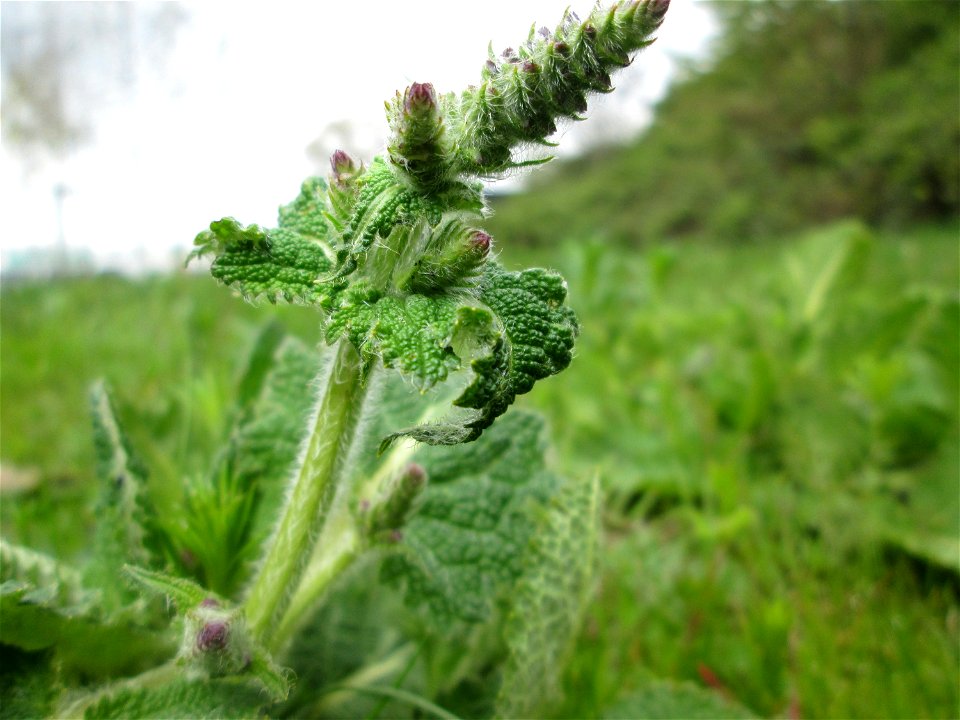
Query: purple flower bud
658, 8
480, 242
590, 31
341, 163
419, 97
544, 32
491, 67
210, 603
213, 636
530, 66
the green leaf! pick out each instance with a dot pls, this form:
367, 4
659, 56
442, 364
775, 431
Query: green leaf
44, 605
182, 592
538, 334
259, 363
34, 619
224, 515
181, 699
464, 547
288, 263
124, 525
275, 264
411, 333
264, 444
668, 700
28, 683
307, 214
44, 579
523, 334
549, 600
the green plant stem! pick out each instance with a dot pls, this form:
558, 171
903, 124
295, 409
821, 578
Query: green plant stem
339, 409
341, 542
342, 545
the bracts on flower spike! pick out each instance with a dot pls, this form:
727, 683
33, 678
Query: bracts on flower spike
521, 94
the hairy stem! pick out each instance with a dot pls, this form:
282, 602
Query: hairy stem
342, 542
344, 547
339, 409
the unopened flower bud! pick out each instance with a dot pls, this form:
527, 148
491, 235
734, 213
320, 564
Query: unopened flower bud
213, 636
419, 97
480, 242
457, 254
658, 8
342, 164
387, 513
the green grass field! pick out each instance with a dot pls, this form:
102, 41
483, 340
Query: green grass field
775, 427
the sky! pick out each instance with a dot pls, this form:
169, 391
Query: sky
241, 102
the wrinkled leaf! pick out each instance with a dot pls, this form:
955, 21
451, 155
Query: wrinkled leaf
549, 600
464, 548
181, 699
124, 528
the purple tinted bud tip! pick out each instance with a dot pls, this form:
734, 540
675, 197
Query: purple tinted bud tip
341, 163
210, 603
213, 636
419, 96
414, 475
480, 242
659, 7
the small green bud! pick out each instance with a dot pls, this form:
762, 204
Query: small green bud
457, 254
383, 517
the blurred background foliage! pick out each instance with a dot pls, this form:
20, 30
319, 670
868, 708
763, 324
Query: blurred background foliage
811, 111
767, 380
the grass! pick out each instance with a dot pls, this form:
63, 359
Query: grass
776, 427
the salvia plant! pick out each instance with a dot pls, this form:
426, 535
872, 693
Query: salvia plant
375, 535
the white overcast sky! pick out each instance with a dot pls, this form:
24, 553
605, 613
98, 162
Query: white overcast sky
221, 125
